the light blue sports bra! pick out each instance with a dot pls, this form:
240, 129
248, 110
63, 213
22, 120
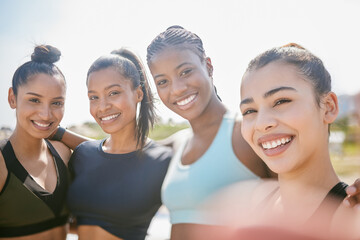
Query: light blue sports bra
186, 187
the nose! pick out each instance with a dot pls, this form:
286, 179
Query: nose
45, 112
104, 105
266, 120
178, 86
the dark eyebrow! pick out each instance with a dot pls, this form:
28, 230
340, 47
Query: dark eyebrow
275, 90
35, 94
38, 95
108, 87
182, 64
267, 94
247, 101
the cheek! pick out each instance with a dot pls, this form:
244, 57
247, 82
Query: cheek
246, 130
60, 112
92, 107
162, 93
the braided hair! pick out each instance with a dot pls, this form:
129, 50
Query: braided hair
177, 36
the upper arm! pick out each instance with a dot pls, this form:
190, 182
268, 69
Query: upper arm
247, 156
175, 140
3, 172
63, 151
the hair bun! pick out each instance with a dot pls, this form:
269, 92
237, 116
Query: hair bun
45, 54
294, 45
175, 27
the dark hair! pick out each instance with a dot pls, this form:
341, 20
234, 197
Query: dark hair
309, 65
130, 66
176, 36
42, 61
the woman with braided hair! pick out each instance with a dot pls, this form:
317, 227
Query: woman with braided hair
115, 191
33, 170
215, 154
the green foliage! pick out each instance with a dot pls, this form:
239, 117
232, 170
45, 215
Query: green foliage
341, 124
161, 131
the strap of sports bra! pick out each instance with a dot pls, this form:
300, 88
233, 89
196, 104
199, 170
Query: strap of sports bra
330, 204
53, 151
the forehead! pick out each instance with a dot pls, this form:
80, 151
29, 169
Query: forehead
173, 55
107, 76
44, 82
273, 75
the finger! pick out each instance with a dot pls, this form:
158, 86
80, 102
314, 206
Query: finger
354, 189
349, 202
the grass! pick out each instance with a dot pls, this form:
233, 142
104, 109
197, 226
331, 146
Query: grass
162, 131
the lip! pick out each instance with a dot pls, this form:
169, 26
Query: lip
41, 125
275, 144
186, 102
109, 118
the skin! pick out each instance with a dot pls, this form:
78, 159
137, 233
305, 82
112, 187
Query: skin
184, 84
276, 104
113, 103
39, 108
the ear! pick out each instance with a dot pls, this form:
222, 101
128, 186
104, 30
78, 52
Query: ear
12, 98
331, 107
139, 94
209, 66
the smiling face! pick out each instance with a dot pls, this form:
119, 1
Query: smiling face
282, 121
182, 81
113, 100
39, 104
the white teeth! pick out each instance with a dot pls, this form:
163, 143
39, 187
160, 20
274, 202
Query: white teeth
109, 117
275, 143
186, 101
41, 125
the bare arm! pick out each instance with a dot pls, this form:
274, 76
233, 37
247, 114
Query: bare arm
70, 139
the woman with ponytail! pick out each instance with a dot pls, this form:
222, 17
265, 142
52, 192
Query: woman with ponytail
33, 170
117, 180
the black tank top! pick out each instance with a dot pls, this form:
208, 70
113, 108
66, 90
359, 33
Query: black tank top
25, 207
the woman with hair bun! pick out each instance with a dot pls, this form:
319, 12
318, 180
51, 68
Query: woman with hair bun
33, 170
115, 191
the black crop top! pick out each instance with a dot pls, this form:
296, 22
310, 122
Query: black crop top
25, 207
117, 192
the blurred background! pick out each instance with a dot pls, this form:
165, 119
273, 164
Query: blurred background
233, 32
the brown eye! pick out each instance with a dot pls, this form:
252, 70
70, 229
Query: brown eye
281, 101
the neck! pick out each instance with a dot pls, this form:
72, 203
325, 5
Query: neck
212, 114
25, 144
308, 185
121, 142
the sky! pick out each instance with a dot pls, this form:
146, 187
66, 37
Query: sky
233, 32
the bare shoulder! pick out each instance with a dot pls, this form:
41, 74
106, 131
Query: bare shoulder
346, 222
63, 150
3, 172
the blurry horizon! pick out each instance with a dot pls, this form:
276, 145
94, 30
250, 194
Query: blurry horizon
233, 32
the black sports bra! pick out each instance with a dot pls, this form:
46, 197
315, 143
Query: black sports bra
25, 207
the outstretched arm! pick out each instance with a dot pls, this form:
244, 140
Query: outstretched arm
69, 138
